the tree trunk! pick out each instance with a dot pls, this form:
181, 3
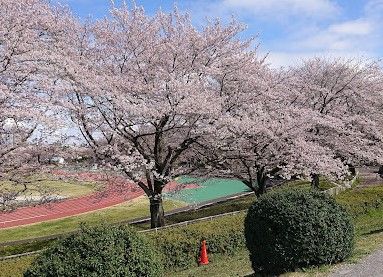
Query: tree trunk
157, 215
352, 170
315, 181
261, 189
261, 182
380, 171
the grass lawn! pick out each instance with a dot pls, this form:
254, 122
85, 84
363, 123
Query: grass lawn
126, 211
15, 267
220, 265
324, 184
64, 188
240, 203
71, 188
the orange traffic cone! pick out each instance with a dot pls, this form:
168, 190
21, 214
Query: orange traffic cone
203, 260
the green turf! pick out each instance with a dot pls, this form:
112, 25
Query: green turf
15, 267
208, 190
64, 188
216, 187
220, 265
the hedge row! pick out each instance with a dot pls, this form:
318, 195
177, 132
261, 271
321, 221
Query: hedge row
179, 247
103, 250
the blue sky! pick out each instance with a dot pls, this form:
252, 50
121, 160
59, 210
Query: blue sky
288, 30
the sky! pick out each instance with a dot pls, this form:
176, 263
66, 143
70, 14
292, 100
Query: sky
285, 30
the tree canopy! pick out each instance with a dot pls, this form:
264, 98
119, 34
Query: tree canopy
154, 97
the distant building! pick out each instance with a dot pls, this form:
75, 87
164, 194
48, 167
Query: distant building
57, 160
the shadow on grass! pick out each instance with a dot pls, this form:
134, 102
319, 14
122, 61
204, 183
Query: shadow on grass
261, 275
373, 232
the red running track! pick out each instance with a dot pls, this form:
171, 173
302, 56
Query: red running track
118, 191
64, 208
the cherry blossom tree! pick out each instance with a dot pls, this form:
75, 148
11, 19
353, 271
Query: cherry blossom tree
146, 91
24, 113
347, 96
156, 98
264, 138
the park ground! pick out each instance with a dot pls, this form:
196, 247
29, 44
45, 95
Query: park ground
364, 201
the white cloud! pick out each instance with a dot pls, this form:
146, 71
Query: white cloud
346, 37
374, 9
299, 29
355, 27
353, 35
279, 58
285, 8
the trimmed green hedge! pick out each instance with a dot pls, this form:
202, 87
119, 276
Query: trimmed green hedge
180, 246
293, 229
99, 251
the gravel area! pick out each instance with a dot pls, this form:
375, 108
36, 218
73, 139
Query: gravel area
370, 266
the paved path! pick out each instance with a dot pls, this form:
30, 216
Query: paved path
370, 266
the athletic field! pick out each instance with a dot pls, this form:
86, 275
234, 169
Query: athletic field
207, 189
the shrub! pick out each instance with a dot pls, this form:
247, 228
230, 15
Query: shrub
290, 229
180, 246
98, 251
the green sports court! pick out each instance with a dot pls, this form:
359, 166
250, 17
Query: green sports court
208, 189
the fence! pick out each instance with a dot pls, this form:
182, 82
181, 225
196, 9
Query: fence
188, 222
